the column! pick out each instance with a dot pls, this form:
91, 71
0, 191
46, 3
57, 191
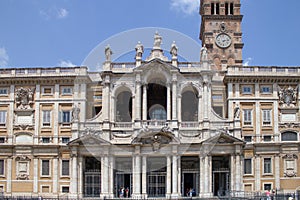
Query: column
136, 193
113, 110
276, 115
175, 176
37, 113
9, 174
206, 178
104, 177
230, 104
205, 100
74, 180
168, 102
209, 175
55, 175
179, 109
145, 102
106, 99
35, 175
232, 172
111, 176
82, 102
80, 174
257, 122
277, 171
169, 176
138, 100
257, 173
201, 179
238, 173
174, 97
144, 177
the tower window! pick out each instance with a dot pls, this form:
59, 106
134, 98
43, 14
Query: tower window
231, 9
226, 9
215, 8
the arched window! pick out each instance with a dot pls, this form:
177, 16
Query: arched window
189, 106
289, 136
124, 107
158, 112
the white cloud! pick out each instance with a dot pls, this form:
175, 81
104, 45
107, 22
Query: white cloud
188, 7
247, 62
54, 13
3, 57
65, 63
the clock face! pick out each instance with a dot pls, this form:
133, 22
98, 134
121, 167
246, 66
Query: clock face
223, 40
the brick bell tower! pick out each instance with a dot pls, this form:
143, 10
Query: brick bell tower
221, 31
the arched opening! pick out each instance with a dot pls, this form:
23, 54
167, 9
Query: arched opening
189, 106
289, 136
157, 100
124, 107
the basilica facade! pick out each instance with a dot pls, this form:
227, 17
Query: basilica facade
153, 127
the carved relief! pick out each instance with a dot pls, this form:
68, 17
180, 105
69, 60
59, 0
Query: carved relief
24, 98
287, 96
290, 166
22, 167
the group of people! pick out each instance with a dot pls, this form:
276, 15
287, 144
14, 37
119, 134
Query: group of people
124, 192
190, 192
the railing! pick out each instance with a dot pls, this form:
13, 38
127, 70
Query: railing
123, 125
189, 124
127, 65
154, 123
263, 69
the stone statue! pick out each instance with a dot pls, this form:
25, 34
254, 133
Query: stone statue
75, 113
108, 53
24, 98
203, 52
174, 49
139, 48
157, 40
237, 111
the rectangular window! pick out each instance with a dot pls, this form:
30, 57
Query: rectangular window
45, 189
267, 187
46, 117
3, 91
45, 167
66, 90
267, 166
231, 9
47, 91
247, 117
2, 118
45, 140
1, 167
248, 138
65, 140
2, 139
265, 89
248, 166
247, 90
267, 138
266, 117
65, 116
65, 189
65, 169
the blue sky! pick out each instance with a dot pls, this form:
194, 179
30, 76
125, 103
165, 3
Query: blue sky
63, 32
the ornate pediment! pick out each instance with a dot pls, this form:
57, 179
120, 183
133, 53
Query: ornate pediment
223, 138
89, 140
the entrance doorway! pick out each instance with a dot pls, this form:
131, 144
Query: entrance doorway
92, 177
221, 175
124, 184
190, 175
156, 176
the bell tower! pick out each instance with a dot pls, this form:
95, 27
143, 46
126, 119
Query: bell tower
221, 31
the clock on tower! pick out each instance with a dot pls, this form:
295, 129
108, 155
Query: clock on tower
221, 31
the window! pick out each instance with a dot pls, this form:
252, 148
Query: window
3, 91
215, 8
66, 90
267, 138
45, 140
45, 167
1, 167
65, 140
46, 118
267, 186
265, 89
2, 139
47, 91
248, 166
65, 189
266, 114
248, 138
65, 170
247, 90
65, 116
45, 189
289, 136
158, 112
267, 166
248, 117
2, 118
